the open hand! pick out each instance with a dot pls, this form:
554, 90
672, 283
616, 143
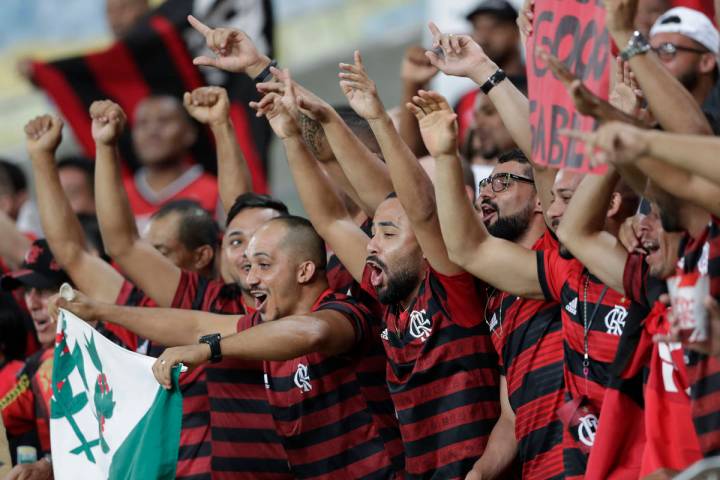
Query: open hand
234, 50
307, 103
360, 90
437, 120
626, 94
191, 356
461, 56
43, 134
108, 122
208, 105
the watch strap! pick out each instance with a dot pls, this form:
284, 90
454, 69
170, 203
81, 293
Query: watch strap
494, 79
636, 45
265, 74
213, 340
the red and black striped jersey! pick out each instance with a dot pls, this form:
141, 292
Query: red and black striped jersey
195, 292
333, 413
586, 304
194, 454
670, 439
244, 441
442, 373
527, 335
702, 254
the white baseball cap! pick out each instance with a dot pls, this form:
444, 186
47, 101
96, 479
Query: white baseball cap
691, 23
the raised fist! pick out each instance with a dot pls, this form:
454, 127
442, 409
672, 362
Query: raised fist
43, 134
208, 105
108, 122
416, 67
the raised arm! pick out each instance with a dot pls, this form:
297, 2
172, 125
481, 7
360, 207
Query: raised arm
416, 72
146, 267
501, 263
210, 106
412, 185
581, 230
463, 57
61, 226
322, 204
328, 332
13, 244
368, 177
671, 104
624, 146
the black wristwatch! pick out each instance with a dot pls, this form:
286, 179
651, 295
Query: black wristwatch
494, 79
635, 46
214, 341
265, 74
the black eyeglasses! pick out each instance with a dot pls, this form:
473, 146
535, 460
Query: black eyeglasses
502, 181
667, 51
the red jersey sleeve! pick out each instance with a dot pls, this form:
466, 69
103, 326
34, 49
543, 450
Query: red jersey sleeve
357, 314
552, 273
461, 296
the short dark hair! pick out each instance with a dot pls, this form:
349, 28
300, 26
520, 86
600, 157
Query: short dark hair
13, 176
516, 155
197, 227
302, 236
255, 200
84, 164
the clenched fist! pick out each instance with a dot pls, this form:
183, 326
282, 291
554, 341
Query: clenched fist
208, 105
108, 122
44, 134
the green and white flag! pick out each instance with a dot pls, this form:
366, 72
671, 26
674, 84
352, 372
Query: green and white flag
109, 417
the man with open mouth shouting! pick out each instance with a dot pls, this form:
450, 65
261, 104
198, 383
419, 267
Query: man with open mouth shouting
322, 361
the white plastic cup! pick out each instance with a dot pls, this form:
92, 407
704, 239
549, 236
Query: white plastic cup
687, 296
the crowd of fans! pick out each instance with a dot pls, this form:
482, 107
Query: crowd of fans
448, 309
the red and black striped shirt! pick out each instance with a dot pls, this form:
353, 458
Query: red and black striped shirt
527, 335
442, 374
244, 441
334, 413
579, 293
194, 460
670, 439
702, 254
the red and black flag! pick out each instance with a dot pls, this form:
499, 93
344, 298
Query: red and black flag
153, 59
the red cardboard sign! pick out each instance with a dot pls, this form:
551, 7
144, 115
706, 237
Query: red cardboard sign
573, 31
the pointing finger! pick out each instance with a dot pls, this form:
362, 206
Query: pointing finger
198, 25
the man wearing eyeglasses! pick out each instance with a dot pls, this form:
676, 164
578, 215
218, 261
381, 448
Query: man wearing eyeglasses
687, 43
